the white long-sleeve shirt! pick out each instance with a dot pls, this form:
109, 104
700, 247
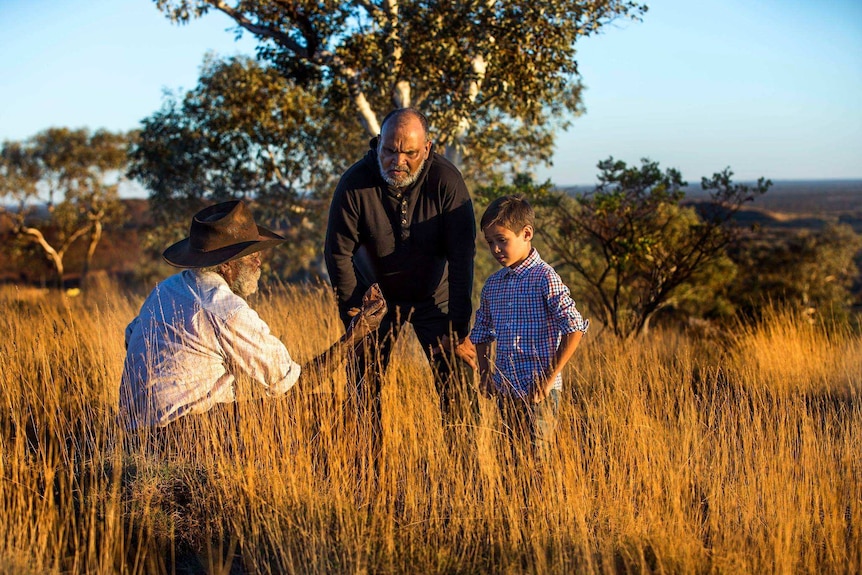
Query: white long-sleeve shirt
190, 341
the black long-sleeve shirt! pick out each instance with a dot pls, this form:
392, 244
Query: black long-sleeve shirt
417, 244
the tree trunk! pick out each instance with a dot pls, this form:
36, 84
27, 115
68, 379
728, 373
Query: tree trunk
95, 238
367, 117
55, 255
401, 94
52, 254
455, 146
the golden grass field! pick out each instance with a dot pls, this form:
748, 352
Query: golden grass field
673, 455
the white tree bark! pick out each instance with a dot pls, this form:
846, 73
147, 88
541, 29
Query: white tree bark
401, 94
455, 150
366, 114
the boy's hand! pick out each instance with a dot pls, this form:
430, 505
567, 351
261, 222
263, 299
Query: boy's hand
541, 390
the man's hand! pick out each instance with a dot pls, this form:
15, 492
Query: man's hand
464, 349
365, 321
367, 318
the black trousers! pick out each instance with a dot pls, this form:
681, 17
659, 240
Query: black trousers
453, 378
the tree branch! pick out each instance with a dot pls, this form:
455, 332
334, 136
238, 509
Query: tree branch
266, 31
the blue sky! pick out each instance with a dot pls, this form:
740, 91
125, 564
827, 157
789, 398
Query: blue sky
766, 87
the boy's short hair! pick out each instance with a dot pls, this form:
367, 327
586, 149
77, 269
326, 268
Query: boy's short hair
510, 212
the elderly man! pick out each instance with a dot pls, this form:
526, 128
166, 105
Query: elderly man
196, 334
402, 217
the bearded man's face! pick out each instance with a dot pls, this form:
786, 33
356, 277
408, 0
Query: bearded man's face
246, 274
402, 151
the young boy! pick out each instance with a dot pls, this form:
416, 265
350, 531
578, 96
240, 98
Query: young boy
526, 309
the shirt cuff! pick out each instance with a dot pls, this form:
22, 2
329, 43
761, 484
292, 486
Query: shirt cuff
461, 330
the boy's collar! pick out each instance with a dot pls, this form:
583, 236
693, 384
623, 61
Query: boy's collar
526, 264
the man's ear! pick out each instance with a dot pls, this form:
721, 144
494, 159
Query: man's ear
528, 233
227, 270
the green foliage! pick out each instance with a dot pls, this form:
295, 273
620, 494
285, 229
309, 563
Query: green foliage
495, 78
809, 270
78, 174
633, 246
20, 172
245, 131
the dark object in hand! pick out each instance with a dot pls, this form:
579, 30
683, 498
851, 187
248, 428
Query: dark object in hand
367, 318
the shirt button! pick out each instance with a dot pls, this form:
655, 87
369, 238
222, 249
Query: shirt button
404, 222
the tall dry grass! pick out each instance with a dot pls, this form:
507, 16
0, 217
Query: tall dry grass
673, 455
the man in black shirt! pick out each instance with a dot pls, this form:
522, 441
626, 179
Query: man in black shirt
402, 217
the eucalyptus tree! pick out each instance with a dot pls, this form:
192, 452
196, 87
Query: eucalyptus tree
75, 174
497, 78
244, 131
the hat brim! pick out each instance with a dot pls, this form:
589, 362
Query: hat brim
182, 255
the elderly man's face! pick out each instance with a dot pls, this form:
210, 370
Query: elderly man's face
402, 151
243, 274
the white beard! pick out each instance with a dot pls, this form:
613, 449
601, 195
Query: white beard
403, 181
246, 281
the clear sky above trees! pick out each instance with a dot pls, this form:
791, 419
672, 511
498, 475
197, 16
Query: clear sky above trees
768, 87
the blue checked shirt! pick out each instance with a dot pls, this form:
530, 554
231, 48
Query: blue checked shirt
525, 310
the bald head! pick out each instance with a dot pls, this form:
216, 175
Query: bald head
403, 147
405, 115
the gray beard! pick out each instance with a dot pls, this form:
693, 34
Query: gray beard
409, 181
246, 281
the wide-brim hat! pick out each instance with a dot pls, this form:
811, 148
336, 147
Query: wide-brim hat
219, 234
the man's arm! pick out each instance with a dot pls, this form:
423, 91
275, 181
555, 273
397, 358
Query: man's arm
342, 241
365, 322
251, 348
459, 223
130, 329
459, 237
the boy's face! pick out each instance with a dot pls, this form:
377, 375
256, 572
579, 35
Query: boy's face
507, 247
